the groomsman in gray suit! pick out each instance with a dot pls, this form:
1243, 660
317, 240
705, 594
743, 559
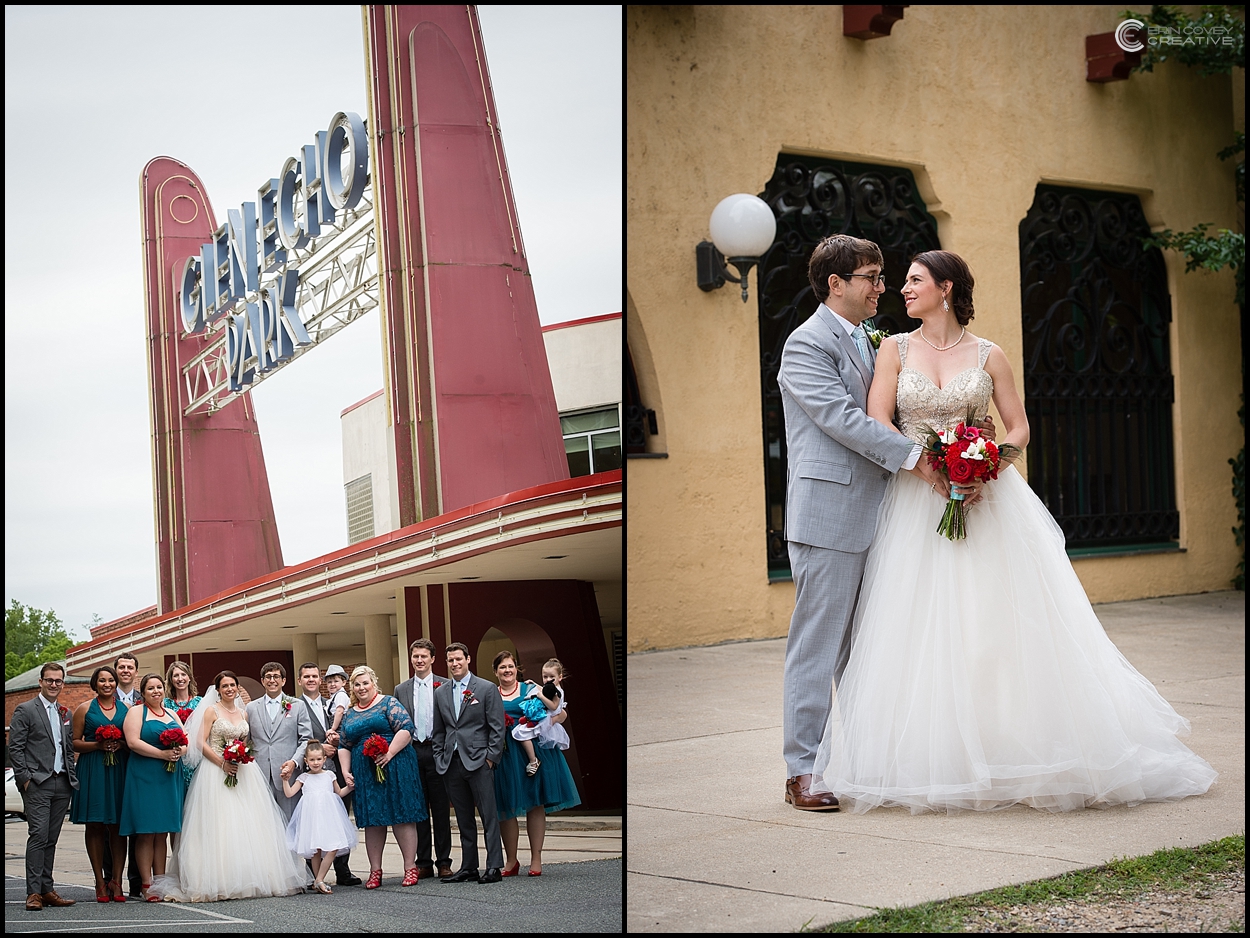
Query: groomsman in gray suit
42, 752
417, 696
468, 744
839, 461
280, 729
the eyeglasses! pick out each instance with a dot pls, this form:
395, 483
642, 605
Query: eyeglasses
53, 682
873, 279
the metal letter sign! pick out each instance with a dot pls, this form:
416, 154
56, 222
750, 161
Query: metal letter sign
245, 283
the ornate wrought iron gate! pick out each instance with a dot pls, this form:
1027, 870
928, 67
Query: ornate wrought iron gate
813, 198
1097, 371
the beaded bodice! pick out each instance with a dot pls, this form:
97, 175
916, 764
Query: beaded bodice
224, 731
921, 405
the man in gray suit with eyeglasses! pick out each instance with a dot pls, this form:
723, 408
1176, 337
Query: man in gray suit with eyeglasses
839, 461
42, 752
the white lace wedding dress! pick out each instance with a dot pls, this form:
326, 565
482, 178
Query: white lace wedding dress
233, 843
979, 676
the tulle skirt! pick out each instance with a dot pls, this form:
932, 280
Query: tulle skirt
233, 843
980, 678
320, 822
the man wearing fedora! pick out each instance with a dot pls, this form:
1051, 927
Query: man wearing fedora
42, 753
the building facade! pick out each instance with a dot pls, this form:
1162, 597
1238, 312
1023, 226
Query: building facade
988, 131
465, 523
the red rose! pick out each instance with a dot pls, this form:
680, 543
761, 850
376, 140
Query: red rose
438, 683
959, 470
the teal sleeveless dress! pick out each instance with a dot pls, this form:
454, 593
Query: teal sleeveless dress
98, 797
552, 788
152, 801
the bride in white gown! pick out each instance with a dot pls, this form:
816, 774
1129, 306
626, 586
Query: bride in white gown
979, 676
233, 840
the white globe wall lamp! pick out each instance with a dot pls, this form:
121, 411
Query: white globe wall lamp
742, 228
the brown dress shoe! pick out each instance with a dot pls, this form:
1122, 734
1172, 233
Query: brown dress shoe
51, 898
444, 871
34, 903
798, 793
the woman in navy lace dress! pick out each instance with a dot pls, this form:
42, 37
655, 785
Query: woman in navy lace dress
396, 801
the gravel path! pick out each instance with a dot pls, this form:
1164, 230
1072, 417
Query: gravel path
1216, 906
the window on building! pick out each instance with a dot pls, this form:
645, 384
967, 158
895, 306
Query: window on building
813, 198
592, 440
1097, 370
359, 508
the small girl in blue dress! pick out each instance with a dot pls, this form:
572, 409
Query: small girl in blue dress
538, 707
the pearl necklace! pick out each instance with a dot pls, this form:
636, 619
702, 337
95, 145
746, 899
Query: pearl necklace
962, 330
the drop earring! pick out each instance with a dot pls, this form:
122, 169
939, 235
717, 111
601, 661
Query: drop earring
945, 305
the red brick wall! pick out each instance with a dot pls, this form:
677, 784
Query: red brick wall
71, 696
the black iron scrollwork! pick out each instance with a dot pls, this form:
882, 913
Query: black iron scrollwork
813, 198
1097, 372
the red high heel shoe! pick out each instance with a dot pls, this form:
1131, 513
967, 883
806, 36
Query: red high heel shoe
120, 895
536, 872
411, 876
375, 879
102, 895
514, 871
143, 891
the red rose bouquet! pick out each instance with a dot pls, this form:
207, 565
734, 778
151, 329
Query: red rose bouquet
184, 714
240, 753
108, 733
964, 455
376, 746
170, 738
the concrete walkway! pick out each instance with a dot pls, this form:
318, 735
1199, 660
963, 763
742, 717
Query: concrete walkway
712, 846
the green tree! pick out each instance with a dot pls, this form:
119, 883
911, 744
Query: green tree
31, 637
1226, 248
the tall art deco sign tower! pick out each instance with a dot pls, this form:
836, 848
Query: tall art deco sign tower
409, 208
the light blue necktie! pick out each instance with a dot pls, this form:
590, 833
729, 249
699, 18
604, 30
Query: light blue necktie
457, 697
861, 343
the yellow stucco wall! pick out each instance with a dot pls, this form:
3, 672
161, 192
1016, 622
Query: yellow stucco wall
982, 104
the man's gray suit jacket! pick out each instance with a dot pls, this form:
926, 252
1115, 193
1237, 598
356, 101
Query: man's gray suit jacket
403, 693
838, 458
478, 732
277, 741
32, 749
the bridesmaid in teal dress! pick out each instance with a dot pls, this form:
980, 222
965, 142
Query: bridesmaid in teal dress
183, 698
152, 802
97, 801
550, 789
398, 801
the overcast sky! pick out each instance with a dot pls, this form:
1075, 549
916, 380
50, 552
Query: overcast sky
92, 94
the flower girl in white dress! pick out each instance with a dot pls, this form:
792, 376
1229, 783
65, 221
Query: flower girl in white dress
319, 829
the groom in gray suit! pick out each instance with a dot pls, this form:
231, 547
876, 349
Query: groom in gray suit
280, 729
839, 462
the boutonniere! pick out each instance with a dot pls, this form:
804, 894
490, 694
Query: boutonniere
63, 713
286, 705
874, 334
468, 697
438, 684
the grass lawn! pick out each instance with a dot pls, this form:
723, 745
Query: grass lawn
1169, 876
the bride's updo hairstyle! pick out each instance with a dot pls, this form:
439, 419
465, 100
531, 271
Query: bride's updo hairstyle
222, 676
944, 266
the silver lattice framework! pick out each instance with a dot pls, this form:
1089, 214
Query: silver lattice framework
338, 283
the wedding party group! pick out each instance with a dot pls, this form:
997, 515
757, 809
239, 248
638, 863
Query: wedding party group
942, 654
165, 779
